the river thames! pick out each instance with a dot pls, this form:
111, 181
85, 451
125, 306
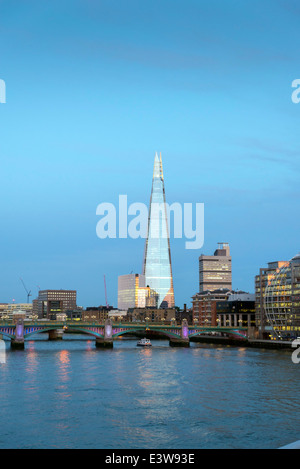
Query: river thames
69, 394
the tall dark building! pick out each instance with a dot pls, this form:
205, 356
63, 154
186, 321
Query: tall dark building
52, 302
215, 272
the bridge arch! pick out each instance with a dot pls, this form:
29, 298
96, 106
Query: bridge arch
231, 332
162, 332
8, 335
93, 331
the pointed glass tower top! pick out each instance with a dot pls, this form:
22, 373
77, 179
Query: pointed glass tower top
157, 170
157, 266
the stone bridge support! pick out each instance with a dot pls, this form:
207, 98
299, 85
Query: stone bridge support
18, 341
107, 340
182, 340
56, 334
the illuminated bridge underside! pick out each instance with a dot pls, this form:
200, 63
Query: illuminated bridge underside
122, 329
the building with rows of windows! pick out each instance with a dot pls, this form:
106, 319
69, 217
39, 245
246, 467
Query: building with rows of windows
280, 300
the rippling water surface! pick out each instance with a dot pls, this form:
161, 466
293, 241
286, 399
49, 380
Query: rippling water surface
71, 395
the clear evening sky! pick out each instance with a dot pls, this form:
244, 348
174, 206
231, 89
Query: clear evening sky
94, 88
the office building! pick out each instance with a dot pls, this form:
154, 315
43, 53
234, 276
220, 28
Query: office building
281, 301
51, 303
215, 272
157, 267
261, 283
8, 311
147, 298
128, 290
237, 311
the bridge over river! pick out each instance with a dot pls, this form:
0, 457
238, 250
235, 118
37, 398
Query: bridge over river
178, 335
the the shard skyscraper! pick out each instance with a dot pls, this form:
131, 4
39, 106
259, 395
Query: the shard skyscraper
157, 267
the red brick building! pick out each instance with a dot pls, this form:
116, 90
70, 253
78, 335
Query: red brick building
205, 306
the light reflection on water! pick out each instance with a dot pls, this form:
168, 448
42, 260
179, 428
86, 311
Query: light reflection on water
69, 394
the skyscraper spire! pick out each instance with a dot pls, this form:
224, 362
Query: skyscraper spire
156, 168
161, 168
157, 266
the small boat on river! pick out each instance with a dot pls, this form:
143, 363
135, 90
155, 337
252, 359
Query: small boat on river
144, 343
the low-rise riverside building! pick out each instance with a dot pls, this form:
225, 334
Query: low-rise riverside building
237, 311
97, 314
159, 315
8, 310
205, 306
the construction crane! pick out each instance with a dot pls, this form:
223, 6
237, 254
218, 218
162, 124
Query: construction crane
28, 292
105, 292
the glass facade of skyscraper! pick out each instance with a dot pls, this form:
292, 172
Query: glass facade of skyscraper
282, 300
261, 283
157, 266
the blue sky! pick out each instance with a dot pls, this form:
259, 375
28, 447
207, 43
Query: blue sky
94, 88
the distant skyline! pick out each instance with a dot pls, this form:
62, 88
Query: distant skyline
94, 89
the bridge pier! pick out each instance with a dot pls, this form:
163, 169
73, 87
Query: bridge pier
107, 340
17, 344
18, 341
56, 334
179, 342
182, 340
102, 343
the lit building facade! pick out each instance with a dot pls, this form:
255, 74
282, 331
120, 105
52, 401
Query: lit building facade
157, 267
261, 282
282, 300
215, 272
129, 290
9, 311
147, 298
